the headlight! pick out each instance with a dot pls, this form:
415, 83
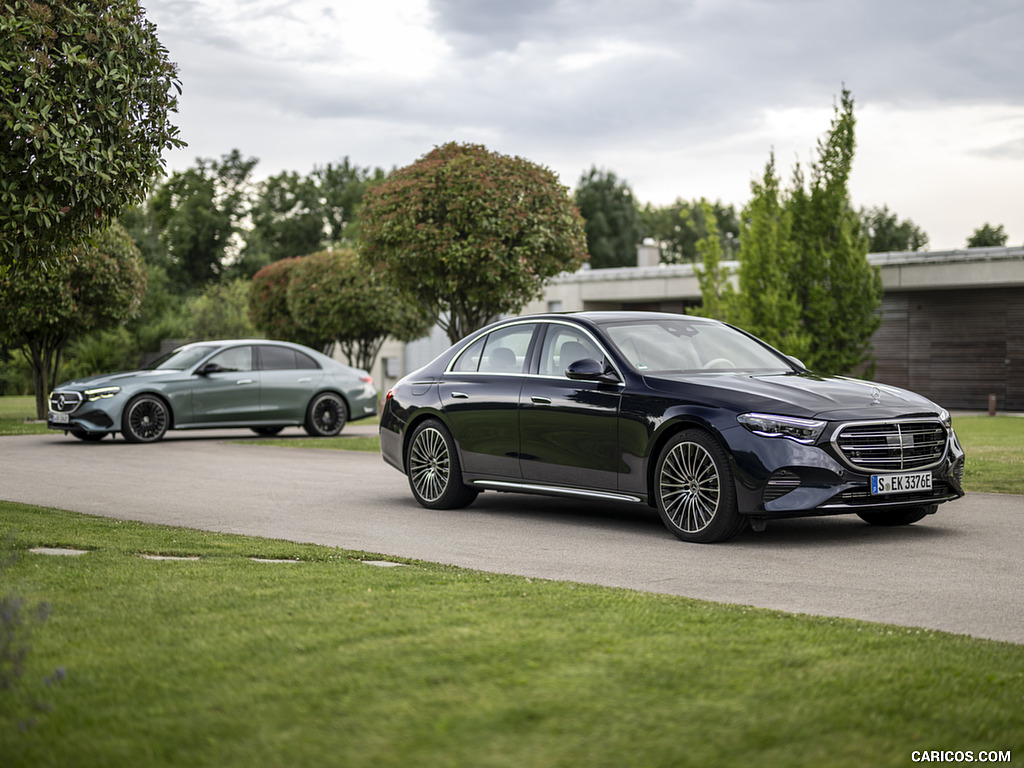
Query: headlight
100, 393
767, 425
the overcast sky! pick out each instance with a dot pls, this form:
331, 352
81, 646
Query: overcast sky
679, 98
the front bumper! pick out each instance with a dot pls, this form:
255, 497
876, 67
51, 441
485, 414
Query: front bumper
778, 478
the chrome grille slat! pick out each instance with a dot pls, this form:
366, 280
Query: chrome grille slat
65, 401
892, 446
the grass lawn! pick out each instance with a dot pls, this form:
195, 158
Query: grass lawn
223, 661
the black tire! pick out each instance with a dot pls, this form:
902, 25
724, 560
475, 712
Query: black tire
694, 489
145, 419
267, 431
89, 437
905, 516
326, 415
432, 464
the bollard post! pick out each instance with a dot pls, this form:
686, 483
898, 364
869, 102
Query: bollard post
991, 405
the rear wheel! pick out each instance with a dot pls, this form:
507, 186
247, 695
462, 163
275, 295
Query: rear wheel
905, 516
435, 475
694, 490
326, 415
145, 419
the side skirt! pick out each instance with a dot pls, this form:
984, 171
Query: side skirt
554, 490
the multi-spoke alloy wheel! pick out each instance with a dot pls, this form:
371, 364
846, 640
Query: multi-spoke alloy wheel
326, 415
435, 476
145, 419
694, 489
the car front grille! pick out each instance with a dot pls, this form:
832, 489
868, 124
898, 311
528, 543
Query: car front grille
65, 402
892, 446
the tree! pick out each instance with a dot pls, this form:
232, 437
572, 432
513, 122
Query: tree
988, 236
838, 290
221, 311
197, 214
610, 219
99, 286
287, 219
806, 285
342, 187
470, 234
713, 276
268, 306
677, 229
885, 232
332, 295
769, 308
86, 95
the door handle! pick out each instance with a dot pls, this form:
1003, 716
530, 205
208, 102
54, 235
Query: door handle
540, 400
244, 381
305, 379
460, 396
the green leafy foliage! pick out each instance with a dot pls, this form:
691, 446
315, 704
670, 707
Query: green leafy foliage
677, 228
770, 308
806, 284
713, 276
988, 236
268, 306
332, 295
100, 285
221, 311
611, 219
470, 234
86, 95
196, 214
885, 232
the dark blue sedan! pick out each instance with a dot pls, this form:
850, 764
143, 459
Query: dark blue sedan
709, 424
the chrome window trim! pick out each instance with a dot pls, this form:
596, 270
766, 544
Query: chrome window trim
533, 321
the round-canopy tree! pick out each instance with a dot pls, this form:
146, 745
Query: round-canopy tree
332, 295
268, 306
98, 287
471, 234
86, 92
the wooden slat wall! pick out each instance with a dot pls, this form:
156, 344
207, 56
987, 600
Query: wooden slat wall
956, 347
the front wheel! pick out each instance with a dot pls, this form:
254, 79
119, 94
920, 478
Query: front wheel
326, 415
694, 489
898, 516
435, 475
145, 419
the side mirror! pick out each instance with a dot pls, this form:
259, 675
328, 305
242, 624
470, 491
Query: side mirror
589, 369
207, 369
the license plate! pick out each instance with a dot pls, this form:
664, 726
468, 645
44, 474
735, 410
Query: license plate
917, 481
59, 418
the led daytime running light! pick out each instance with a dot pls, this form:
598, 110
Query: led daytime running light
101, 393
805, 431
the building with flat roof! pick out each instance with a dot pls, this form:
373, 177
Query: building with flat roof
952, 321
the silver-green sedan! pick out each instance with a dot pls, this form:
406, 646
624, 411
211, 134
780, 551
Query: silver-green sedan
262, 385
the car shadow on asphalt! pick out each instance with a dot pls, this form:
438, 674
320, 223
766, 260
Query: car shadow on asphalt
820, 531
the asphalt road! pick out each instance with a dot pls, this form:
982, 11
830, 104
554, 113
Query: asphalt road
960, 570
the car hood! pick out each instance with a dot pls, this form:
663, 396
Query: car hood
804, 395
115, 379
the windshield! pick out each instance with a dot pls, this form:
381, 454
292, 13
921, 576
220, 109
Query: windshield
677, 345
181, 359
